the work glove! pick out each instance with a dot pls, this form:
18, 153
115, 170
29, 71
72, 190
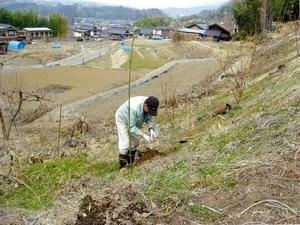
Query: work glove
152, 133
147, 137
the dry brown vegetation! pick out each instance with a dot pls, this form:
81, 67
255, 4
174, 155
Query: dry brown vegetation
238, 69
238, 168
14, 96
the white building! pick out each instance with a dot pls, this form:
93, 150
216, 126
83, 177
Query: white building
38, 32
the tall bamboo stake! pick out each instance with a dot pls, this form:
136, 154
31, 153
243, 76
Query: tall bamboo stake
59, 130
129, 95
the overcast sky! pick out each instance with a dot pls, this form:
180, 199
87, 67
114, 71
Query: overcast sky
161, 3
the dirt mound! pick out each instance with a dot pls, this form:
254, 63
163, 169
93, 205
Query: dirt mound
149, 155
118, 59
195, 50
114, 208
125, 205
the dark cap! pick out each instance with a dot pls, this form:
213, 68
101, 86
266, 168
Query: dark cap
152, 104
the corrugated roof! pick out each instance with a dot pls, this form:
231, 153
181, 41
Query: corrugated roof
36, 29
189, 30
203, 26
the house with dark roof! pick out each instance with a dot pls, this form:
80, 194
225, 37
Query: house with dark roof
191, 34
7, 32
217, 32
119, 32
145, 32
198, 26
201, 31
84, 30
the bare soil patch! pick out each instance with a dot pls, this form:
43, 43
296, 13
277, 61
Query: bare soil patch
42, 52
55, 88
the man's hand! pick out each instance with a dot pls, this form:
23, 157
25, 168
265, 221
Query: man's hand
152, 133
147, 137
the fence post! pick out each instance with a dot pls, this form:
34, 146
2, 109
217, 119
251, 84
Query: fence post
59, 130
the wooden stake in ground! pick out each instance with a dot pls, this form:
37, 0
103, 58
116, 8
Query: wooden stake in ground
129, 95
59, 130
5, 136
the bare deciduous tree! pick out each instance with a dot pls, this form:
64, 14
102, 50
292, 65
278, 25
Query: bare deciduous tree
170, 100
13, 96
237, 69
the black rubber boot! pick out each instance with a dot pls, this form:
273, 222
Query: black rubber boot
130, 157
122, 161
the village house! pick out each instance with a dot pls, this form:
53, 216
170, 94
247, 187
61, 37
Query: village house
7, 32
85, 31
163, 31
202, 31
198, 26
191, 34
148, 32
217, 32
38, 33
3, 48
145, 32
119, 32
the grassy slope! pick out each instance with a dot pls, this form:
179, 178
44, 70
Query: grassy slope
227, 164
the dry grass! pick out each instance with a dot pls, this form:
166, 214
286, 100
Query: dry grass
42, 52
80, 82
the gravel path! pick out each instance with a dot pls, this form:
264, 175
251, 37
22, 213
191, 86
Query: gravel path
80, 58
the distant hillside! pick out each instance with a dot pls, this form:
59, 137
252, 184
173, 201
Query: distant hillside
173, 12
81, 10
208, 15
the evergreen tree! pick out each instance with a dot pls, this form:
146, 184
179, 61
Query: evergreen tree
153, 21
58, 24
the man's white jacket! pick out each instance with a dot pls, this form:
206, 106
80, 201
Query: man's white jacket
137, 115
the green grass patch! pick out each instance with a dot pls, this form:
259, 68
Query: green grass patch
242, 134
43, 180
147, 43
212, 175
150, 60
204, 213
168, 182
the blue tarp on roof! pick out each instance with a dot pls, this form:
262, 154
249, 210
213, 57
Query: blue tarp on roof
16, 45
